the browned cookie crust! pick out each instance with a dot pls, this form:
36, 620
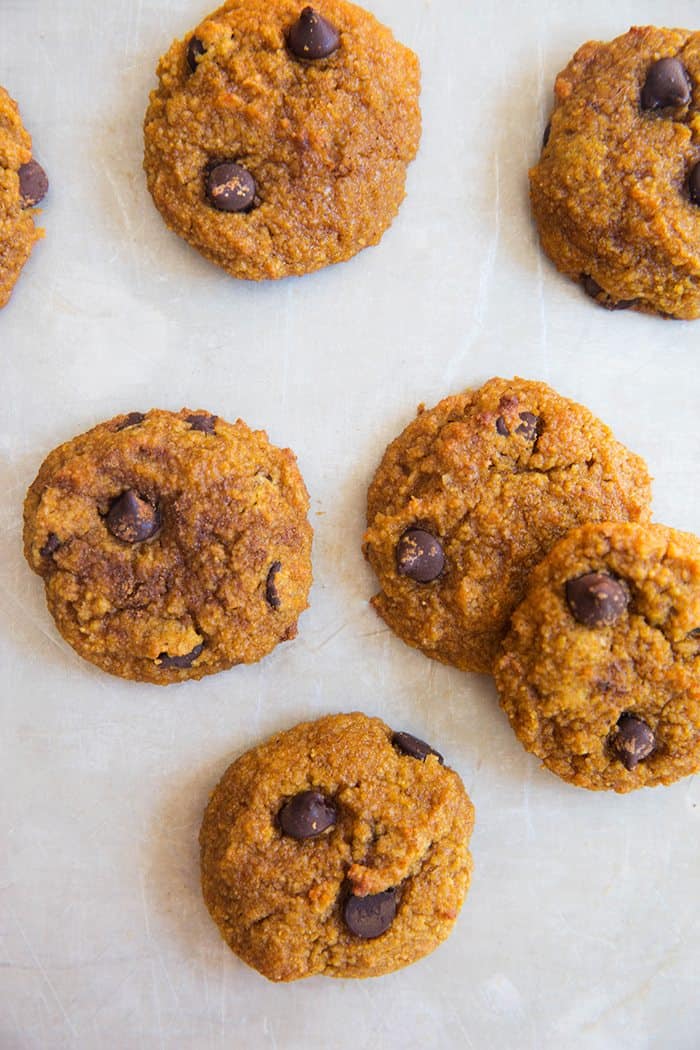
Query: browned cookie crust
336, 848
172, 545
600, 673
22, 185
307, 155
470, 497
616, 193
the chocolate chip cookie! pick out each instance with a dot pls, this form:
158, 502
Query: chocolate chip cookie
278, 138
616, 192
600, 672
469, 498
23, 184
172, 545
336, 848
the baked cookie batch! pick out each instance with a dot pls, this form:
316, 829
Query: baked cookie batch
509, 531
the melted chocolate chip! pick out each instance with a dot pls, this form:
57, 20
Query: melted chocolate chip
530, 426
52, 544
180, 662
419, 555
594, 290
133, 519
694, 184
667, 84
547, 133
596, 599
195, 50
33, 184
371, 916
230, 187
502, 427
271, 594
307, 815
202, 422
632, 740
415, 748
132, 420
312, 36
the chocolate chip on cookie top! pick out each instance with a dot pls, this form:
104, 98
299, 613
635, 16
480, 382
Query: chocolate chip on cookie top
330, 850
600, 672
312, 36
156, 535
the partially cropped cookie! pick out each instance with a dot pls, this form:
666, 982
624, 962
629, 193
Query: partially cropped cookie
278, 138
172, 545
23, 184
471, 496
616, 192
338, 847
600, 672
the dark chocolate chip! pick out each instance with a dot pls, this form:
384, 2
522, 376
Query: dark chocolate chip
371, 916
596, 599
202, 422
594, 290
415, 748
312, 36
52, 544
271, 594
632, 741
667, 84
195, 50
694, 184
33, 184
307, 815
133, 519
530, 426
230, 187
132, 420
547, 133
419, 555
695, 633
502, 427
180, 662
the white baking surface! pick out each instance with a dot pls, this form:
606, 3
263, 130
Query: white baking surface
582, 926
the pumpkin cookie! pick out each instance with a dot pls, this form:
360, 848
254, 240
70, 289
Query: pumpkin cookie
278, 138
172, 545
470, 497
600, 672
23, 184
616, 192
336, 848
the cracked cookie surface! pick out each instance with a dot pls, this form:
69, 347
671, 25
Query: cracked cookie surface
470, 497
600, 672
172, 545
336, 848
616, 192
272, 163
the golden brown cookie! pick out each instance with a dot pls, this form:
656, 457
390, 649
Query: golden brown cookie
600, 672
278, 138
172, 545
471, 496
336, 848
23, 184
616, 192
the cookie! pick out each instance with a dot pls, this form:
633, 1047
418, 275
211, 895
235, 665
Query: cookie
336, 848
23, 184
470, 497
278, 138
600, 672
616, 192
172, 545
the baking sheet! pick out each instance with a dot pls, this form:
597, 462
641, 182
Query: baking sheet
582, 926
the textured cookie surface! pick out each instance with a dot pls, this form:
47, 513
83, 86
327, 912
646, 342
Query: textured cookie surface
365, 878
470, 497
322, 143
172, 545
18, 180
616, 193
600, 672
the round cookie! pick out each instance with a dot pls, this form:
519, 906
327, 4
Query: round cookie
23, 184
278, 138
471, 496
336, 848
172, 545
616, 192
600, 672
